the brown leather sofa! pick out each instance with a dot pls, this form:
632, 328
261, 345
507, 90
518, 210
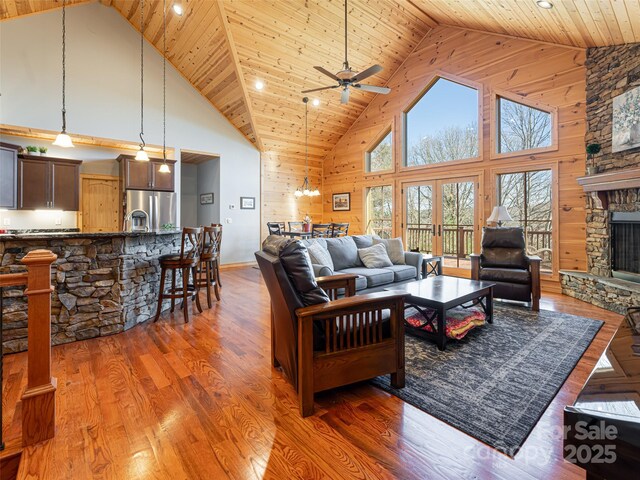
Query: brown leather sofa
319, 340
504, 262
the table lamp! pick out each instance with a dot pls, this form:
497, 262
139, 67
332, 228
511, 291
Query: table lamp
499, 215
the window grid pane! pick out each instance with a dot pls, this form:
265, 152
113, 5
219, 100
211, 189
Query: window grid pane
521, 127
381, 157
380, 211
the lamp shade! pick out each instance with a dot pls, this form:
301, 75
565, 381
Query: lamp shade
63, 140
142, 156
499, 214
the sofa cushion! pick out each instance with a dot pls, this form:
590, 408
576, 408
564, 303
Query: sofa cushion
374, 276
361, 283
403, 272
374, 256
320, 241
394, 247
363, 241
507, 275
320, 255
344, 252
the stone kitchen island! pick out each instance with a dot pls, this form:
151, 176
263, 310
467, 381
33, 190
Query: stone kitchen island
104, 283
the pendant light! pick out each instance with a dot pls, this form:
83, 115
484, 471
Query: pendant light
64, 140
305, 189
164, 168
142, 155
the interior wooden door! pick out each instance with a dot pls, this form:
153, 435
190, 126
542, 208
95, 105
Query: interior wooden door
100, 203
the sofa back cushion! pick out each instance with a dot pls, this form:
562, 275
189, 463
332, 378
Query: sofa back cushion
363, 241
503, 248
394, 247
344, 252
375, 256
320, 255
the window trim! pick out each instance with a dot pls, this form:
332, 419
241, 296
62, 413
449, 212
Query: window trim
437, 75
385, 182
494, 128
388, 129
555, 205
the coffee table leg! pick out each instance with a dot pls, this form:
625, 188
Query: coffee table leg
489, 300
442, 331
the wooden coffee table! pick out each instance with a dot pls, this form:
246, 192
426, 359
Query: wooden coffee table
440, 294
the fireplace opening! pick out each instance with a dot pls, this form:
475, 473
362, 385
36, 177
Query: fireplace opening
625, 245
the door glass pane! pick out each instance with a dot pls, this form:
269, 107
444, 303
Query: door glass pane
457, 223
419, 220
380, 211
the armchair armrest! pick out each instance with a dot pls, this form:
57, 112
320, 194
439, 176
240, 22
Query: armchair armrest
475, 266
334, 282
534, 265
347, 305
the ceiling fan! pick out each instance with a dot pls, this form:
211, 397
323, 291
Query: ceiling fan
346, 77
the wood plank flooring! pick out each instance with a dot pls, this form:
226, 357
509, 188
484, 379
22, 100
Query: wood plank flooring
201, 401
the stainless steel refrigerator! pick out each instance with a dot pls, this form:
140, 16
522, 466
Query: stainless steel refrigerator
159, 206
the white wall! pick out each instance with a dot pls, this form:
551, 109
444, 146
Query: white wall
189, 195
103, 100
209, 182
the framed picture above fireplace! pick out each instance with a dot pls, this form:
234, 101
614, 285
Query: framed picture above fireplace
626, 121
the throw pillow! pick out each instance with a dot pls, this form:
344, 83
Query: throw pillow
320, 256
394, 247
375, 256
344, 252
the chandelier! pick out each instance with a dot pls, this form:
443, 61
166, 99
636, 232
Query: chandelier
305, 190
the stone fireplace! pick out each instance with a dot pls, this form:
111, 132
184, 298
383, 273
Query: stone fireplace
613, 192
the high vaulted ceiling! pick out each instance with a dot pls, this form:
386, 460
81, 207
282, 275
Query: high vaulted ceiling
222, 47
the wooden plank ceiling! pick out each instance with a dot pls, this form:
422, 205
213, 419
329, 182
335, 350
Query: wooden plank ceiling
224, 47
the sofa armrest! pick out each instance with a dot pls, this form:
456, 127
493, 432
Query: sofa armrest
415, 259
321, 270
475, 266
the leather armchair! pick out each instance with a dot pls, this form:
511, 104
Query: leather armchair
319, 340
504, 261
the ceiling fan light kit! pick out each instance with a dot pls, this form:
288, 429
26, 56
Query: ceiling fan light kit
346, 77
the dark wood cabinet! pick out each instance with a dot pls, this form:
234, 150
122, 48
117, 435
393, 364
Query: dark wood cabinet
48, 183
8, 176
137, 175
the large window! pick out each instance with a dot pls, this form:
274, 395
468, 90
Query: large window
380, 157
443, 125
521, 127
380, 211
527, 197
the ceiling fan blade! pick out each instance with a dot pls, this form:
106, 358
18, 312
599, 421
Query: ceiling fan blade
327, 73
372, 88
318, 89
367, 73
344, 97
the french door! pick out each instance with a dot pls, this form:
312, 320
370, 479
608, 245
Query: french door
441, 218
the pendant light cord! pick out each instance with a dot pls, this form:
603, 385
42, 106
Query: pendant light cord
164, 80
346, 62
142, 73
64, 62
306, 140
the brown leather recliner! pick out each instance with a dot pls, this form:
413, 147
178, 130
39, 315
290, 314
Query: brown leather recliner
319, 340
504, 262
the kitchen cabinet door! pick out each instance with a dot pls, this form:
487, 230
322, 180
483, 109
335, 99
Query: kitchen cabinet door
8, 177
162, 181
64, 186
33, 184
137, 175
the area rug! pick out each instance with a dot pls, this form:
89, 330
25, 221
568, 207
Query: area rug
496, 382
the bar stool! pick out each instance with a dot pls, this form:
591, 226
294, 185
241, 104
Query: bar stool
206, 275
186, 261
217, 262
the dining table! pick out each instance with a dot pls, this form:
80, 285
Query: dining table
296, 233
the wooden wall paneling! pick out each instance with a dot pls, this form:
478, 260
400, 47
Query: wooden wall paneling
499, 64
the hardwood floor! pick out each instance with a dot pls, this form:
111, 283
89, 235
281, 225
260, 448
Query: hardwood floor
201, 401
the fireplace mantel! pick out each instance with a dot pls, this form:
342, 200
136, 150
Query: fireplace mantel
599, 184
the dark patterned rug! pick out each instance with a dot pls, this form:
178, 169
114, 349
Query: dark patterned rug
496, 382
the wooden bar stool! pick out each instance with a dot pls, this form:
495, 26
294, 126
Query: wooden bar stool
217, 262
186, 261
207, 275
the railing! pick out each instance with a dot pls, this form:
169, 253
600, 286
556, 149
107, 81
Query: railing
38, 399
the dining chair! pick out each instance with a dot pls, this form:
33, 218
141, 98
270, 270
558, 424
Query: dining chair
275, 228
321, 230
339, 229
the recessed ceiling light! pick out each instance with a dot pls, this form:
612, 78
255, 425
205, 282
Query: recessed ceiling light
259, 85
177, 7
316, 102
544, 4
